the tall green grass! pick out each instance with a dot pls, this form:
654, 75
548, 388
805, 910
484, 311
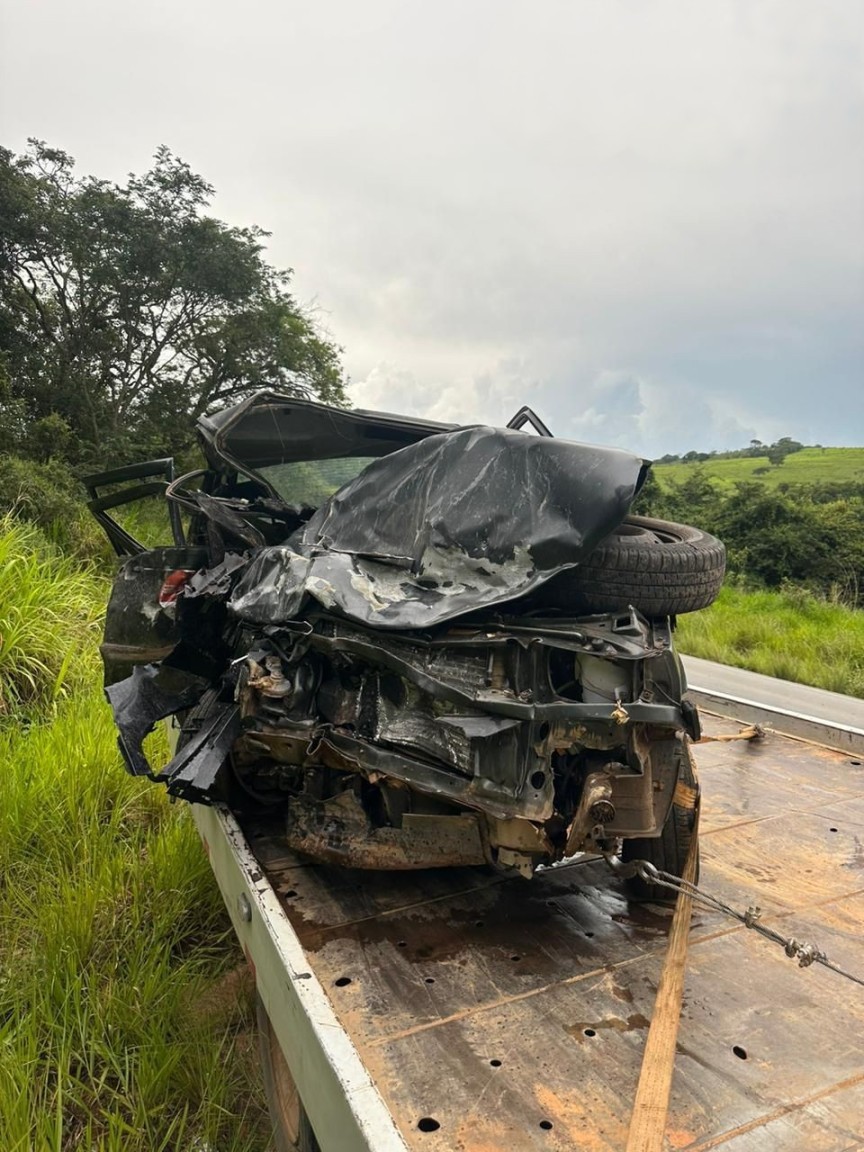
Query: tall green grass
790, 634
125, 1022
49, 613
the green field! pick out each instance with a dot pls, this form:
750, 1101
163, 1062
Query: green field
809, 466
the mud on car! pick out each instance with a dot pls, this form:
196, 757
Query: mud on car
417, 644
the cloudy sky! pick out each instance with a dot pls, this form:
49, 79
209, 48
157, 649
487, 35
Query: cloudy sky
643, 217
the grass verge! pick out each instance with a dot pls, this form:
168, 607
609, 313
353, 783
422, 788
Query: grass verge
123, 1022
789, 634
125, 1019
49, 611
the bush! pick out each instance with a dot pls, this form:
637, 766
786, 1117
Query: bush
47, 495
805, 534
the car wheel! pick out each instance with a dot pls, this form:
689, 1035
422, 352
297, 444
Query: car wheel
661, 568
670, 849
292, 1131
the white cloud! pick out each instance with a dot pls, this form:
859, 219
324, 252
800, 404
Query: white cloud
596, 205
488, 397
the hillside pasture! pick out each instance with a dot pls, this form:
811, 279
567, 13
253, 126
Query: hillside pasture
809, 466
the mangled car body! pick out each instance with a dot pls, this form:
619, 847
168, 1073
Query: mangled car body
421, 644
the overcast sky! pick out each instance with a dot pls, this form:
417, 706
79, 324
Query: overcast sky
643, 217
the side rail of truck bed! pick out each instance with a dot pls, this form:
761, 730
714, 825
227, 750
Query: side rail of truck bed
345, 1107
463, 1009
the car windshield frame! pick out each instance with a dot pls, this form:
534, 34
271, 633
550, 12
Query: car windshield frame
269, 429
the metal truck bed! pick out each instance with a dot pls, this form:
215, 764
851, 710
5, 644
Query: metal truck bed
465, 1010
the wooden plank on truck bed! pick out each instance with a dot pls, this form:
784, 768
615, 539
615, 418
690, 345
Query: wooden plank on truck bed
494, 1013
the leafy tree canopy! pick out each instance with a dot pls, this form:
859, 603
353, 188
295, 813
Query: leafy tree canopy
126, 311
776, 453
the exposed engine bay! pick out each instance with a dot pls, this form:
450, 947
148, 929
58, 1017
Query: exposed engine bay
384, 666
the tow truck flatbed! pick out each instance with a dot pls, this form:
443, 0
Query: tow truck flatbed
464, 1009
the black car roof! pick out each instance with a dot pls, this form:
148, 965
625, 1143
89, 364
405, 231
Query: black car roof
268, 428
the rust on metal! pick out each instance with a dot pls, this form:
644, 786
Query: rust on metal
338, 832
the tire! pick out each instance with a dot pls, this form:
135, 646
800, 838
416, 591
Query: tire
292, 1131
661, 568
670, 849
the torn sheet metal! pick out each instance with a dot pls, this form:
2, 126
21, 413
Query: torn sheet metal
151, 693
215, 581
273, 587
194, 771
229, 520
453, 524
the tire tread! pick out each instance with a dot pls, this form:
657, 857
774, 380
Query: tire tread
659, 578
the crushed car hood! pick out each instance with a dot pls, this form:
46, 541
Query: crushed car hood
451, 524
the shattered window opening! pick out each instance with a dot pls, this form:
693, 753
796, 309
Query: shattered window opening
311, 482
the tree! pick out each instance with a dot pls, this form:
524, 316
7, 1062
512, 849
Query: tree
782, 448
127, 311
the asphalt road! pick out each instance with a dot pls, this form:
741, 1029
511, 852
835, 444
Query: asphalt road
725, 681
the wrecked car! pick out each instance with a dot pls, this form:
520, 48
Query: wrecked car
420, 644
